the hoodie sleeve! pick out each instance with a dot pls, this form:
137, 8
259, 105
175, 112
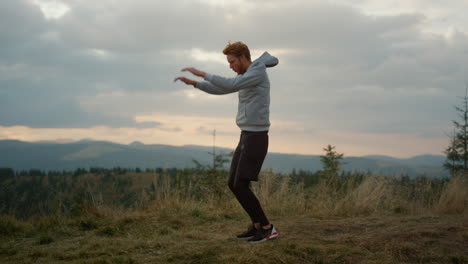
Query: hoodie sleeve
249, 79
211, 89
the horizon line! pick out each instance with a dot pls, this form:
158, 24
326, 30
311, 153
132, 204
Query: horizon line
65, 141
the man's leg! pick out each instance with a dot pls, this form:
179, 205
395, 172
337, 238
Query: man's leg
241, 187
261, 230
249, 202
245, 166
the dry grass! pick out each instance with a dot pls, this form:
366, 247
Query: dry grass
199, 233
362, 220
454, 199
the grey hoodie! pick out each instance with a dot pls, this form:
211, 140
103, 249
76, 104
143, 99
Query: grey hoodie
253, 113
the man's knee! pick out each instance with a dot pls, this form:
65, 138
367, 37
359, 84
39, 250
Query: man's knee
238, 186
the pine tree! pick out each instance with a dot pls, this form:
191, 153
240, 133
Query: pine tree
331, 161
457, 151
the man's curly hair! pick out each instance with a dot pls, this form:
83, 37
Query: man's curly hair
237, 49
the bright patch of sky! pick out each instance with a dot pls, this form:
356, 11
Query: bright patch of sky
52, 9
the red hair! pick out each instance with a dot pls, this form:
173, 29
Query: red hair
237, 49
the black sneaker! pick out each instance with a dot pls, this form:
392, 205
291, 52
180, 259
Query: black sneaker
251, 232
264, 235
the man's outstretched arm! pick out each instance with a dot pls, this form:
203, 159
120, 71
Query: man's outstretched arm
195, 72
212, 89
189, 81
230, 85
204, 86
186, 81
242, 81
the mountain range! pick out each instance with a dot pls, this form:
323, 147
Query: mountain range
47, 156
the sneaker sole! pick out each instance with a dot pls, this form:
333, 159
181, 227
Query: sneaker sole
270, 237
245, 238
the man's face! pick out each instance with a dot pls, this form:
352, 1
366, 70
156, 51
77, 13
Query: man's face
236, 64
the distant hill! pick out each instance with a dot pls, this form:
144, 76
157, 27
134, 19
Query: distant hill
20, 155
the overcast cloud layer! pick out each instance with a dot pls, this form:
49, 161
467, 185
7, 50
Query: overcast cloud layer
366, 76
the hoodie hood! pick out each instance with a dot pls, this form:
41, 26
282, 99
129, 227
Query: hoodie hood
267, 59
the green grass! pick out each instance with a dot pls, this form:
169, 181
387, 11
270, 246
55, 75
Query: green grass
197, 233
358, 220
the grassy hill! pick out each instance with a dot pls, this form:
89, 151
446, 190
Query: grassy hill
189, 216
199, 234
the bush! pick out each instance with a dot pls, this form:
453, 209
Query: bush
9, 226
45, 239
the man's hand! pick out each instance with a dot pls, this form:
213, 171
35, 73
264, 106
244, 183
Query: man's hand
186, 81
195, 72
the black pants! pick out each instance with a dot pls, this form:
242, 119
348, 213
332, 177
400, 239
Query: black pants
245, 167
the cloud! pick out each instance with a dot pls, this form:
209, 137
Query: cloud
52, 9
351, 66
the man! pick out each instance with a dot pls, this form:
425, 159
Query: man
253, 86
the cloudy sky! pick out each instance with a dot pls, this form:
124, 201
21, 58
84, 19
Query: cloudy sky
367, 76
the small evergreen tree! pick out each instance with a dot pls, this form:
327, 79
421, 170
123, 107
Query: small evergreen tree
457, 151
331, 161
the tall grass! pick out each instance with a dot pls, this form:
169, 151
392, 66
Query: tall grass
346, 195
181, 217
359, 194
454, 197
